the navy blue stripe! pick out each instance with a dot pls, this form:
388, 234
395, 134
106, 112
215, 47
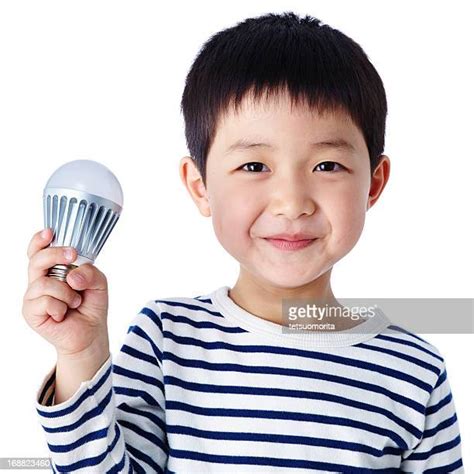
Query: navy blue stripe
295, 373
135, 353
98, 410
311, 354
137, 376
400, 355
48, 384
444, 469
151, 416
144, 457
64, 448
293, 394
434, 408
408, 343
118, 468
441, 379
267, 461
283, 415
89, 392
204, 300
201, 324
441, 426
190, 306
436, 449
408, 333
153, 316
132, 392
49, 401
141, 333
151, 437
92, 461
283, 439
137, 468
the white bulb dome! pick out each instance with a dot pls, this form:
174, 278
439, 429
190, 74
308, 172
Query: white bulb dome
87, 176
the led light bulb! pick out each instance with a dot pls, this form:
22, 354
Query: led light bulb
82, 202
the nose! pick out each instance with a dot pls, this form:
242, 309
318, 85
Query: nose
291, 198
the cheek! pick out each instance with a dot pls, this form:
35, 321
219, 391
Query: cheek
347, 218
232, 218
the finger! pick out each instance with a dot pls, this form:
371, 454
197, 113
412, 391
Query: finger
55, 288
39, 241
38, 310
87, 276
46, 258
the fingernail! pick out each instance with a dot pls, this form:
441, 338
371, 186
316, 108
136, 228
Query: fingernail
68, 254
76, 302
77, 278
44, 233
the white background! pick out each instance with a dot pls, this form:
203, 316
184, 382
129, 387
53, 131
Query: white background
103, 81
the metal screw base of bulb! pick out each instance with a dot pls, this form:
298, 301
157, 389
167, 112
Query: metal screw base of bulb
60, 272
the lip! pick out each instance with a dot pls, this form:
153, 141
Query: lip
292, 237
290, 245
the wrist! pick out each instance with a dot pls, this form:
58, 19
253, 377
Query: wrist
99, 350
72, 370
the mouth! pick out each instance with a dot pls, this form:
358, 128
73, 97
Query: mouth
290, 245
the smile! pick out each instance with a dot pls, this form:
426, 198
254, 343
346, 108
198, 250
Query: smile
290, 244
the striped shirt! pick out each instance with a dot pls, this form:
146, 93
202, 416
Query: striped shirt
202, 385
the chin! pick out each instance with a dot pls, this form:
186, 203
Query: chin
288, 280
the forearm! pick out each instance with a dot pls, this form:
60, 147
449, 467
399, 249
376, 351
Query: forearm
71, 371
113, 408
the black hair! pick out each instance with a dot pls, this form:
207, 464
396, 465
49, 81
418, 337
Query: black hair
276, 52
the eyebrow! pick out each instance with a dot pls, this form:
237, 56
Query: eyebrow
337, 143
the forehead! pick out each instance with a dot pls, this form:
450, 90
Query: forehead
276, 116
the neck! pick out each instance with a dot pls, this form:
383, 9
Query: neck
263, 299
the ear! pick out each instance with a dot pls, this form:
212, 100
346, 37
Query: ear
378, 180
192, 180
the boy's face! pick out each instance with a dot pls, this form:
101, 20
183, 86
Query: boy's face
287, 189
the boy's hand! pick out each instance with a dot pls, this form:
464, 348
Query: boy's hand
50, 306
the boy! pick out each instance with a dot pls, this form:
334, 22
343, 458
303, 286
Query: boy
285, 122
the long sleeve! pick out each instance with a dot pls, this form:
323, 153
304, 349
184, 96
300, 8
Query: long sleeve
439, 449
115, 422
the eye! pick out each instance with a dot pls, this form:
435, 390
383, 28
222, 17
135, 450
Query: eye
255, 166
329, 166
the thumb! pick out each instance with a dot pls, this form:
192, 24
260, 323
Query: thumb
87, 277
92, 283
